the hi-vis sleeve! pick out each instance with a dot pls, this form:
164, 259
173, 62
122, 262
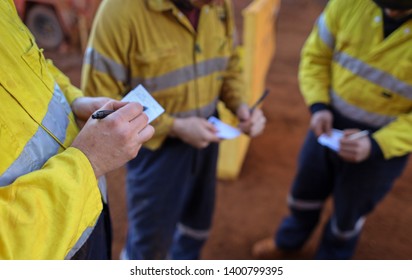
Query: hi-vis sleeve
49, 213
316, 57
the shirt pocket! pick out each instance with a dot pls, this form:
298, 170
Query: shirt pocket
223, 45
165, 54
160, 68
36, 61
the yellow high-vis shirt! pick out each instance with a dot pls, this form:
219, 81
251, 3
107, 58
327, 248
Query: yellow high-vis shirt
348, 64
49, 197
151, 42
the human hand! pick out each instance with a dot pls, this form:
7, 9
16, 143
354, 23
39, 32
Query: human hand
110, 142
195, 131
251, 123
83, 107
321, 122
354, 150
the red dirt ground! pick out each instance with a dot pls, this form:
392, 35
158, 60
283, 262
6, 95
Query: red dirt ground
251, 207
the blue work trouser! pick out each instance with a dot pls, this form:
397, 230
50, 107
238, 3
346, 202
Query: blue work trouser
170, 200
356, 189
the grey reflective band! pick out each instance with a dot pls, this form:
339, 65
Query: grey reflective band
102, 184
56, 120
105, 65
174, 78
300, 204
348, 234
324, 33
357, 114
373, 75
203, 112
194, 233
83, 238
36, 152
41, 146
62, 99
182, 75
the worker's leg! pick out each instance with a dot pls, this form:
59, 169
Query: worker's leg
311, 187
194, 225
157, 183
358, 189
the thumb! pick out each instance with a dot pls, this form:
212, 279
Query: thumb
243, 112
350, 131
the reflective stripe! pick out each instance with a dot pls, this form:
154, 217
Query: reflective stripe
41, 146
168, 80
373, 75
203, 112
83, 238
105, 65
358, 114
36, 152
348, 234
196, 234
102, 184
182, 75
62, 99
305, 204
324, 33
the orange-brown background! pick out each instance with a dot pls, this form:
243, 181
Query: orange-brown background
251, 207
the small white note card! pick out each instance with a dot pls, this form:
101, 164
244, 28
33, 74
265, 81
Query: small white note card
331, 141
224, 131
141, 95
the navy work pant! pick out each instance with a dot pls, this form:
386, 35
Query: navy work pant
170, 200
356, 188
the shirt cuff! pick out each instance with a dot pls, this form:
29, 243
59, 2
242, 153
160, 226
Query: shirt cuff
376, 152
316, 107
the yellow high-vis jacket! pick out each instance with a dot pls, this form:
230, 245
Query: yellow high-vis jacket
151, 42
348, 64
49, 197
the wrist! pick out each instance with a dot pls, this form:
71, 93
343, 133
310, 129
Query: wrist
375, 150
89, 157
174, 128
316, 107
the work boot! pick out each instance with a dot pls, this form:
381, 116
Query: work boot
266, 249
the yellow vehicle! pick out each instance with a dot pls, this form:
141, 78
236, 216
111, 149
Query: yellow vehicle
53, 22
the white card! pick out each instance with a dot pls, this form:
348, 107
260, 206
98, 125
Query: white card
141, 95
224, 131
331, 141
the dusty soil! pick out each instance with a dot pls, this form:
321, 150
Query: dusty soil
251, 207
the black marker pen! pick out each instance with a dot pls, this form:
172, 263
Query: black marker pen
104, 113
